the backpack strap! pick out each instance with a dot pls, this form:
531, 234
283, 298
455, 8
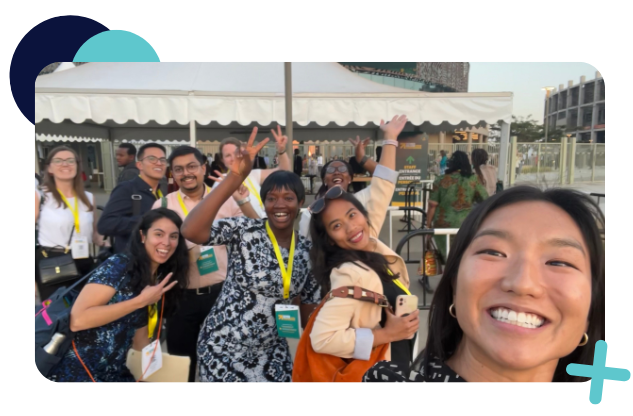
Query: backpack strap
358, 293
163, 202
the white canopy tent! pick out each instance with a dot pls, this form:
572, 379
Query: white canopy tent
125, 101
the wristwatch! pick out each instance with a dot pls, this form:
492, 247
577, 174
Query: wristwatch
244, 201
363, 160
279, 154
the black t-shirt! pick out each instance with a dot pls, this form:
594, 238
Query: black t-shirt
401, 351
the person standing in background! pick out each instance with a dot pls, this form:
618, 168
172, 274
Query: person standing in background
298, 168
443, 161
231, 146
126, 158
131, 199
63, 209
486, 173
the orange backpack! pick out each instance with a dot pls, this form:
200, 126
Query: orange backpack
310, 366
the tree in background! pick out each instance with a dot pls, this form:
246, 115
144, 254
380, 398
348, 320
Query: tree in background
529, 130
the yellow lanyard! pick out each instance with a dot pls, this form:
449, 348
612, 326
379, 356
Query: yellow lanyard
182, 204
253, 191
152, 315
398, 283
159, 193
286, 274
75, 211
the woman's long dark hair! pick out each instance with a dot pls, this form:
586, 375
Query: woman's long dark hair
459, 162
480, 157
327, 255
445, 333
323, 188
139, 266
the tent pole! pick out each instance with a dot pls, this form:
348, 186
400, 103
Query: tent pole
502, 174
192, 133
288, 96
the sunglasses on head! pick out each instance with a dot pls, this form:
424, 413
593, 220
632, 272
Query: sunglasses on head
317, 206
332, 169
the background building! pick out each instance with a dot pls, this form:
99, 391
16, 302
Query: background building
418, 76
579, 109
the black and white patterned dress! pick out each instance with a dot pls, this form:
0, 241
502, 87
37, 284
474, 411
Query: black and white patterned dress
435, 371
238, 340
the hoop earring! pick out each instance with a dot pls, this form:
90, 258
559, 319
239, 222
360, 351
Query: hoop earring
451, 310
585, 340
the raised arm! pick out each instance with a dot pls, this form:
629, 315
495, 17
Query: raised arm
91, 309
199, 221
381, 190
359, 152
284, 159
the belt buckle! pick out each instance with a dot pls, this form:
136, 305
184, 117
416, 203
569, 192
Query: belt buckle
198, 292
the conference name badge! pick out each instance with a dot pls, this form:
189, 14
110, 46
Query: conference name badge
288, 320
79, 247
156, 361
207, 262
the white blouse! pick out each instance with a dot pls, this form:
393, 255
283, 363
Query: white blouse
56, 222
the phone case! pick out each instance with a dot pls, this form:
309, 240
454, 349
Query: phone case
405, 304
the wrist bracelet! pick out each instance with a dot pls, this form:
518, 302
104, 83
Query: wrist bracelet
279, 154
391, 142
363, 160
244, 201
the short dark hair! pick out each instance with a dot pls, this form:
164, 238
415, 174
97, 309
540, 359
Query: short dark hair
283, 179
186, 150
445, 333
143, 148
131, 149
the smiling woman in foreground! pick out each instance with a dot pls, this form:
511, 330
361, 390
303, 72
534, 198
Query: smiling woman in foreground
522, 296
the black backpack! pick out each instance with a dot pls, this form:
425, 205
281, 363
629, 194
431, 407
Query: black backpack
53, 317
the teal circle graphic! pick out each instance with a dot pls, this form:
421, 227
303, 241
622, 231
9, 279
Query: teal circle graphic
116, 46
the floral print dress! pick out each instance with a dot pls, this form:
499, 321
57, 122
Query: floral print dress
456, 196
104, 349
238, 340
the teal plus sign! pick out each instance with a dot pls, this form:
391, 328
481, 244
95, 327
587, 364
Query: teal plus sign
598, 372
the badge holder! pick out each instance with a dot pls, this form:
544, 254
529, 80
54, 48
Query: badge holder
288, 319
207, 262
152, 356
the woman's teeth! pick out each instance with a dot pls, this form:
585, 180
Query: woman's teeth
162, 251
525, 320
357, 237
337, 181
281, 215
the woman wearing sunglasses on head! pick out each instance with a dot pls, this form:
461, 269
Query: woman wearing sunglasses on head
340, 173
522, 295
348, 252
268, 265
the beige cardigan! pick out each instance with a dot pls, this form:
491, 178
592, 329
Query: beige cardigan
335, 328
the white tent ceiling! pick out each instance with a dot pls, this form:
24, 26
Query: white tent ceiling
246, 93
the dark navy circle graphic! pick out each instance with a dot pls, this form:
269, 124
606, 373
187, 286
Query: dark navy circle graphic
54, 40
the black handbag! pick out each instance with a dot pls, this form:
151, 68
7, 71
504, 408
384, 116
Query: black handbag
59, 269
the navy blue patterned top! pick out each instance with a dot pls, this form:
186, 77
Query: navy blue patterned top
104, 349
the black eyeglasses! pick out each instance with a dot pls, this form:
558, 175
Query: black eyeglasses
317, 206
332, 169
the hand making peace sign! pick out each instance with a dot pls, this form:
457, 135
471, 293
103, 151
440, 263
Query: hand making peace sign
243, 162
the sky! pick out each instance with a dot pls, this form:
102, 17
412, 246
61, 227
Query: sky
525, 80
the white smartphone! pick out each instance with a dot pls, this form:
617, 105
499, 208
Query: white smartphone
406, 304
